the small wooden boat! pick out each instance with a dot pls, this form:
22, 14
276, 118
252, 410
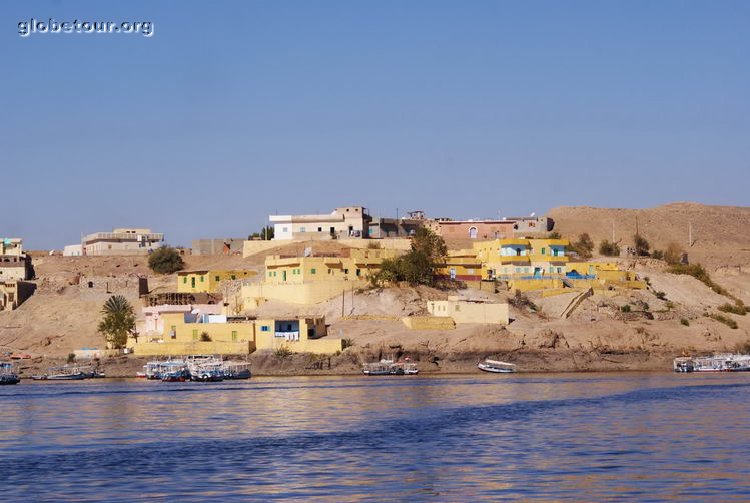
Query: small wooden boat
496, 367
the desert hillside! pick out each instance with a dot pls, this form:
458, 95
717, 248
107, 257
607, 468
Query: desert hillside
720, 233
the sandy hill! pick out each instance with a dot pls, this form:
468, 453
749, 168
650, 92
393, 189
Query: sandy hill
720, 233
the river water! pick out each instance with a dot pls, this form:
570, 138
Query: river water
483, 437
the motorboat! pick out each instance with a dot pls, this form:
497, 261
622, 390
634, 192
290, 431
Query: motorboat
236, 370
8, 374
496, 367
390, 367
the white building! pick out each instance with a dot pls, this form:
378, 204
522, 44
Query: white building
344, 222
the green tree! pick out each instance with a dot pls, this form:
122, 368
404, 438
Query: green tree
118, 321
165, 260
419, 265
641, 246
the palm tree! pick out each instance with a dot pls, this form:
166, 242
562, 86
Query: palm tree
118, 321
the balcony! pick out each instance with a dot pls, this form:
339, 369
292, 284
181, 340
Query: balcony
512, 259
557, 259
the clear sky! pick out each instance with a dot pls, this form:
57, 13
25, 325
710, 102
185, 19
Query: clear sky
234, 110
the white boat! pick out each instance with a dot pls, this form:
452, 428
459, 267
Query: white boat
496, 367
716, 363
389, 367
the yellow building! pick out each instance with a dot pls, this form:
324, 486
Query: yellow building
311, 280
522, 258
462, 265
208, 281
188, 333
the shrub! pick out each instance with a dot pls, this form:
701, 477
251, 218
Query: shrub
673, 253
685, 322
641, 246
205, 337
554, 235
282, 352
657, 254
661, 295
698, 272
609, 249
165, 260
584, 246
626, 308
520, 300
738, 308
373, 245
346, 343
71, 357
727, 321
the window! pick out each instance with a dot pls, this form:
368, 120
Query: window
234, 336
195, 334
544, 251
473, 232
357, 272
216, 278
184, 279
320, 229
346, 271
270, 274
233, 277
302, 229
202, 278
284, 229
265, 328
312, 271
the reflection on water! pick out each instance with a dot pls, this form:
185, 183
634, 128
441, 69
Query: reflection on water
590, 437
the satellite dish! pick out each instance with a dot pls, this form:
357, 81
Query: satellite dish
533, 213
307, 252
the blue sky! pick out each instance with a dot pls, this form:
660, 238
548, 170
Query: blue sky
233, 110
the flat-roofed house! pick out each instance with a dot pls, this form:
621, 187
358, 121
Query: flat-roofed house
343, 222
121, 241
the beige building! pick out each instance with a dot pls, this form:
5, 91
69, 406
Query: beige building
121, 241
344, 222
13, 293
187, 333
468, 311
14, 263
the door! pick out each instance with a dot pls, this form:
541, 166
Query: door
473, 233
283, 275
192, 282
453, 273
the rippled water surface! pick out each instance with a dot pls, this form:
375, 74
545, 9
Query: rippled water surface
565, 437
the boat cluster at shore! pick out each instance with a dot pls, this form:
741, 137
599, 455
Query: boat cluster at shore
716, 363
201, 368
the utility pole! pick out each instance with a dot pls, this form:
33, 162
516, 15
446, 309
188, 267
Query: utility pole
613, 230
690, 234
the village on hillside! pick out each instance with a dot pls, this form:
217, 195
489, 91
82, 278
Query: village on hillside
347, 287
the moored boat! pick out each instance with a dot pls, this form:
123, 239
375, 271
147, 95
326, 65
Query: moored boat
8, 374
389, 367
236, 370
496, 367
